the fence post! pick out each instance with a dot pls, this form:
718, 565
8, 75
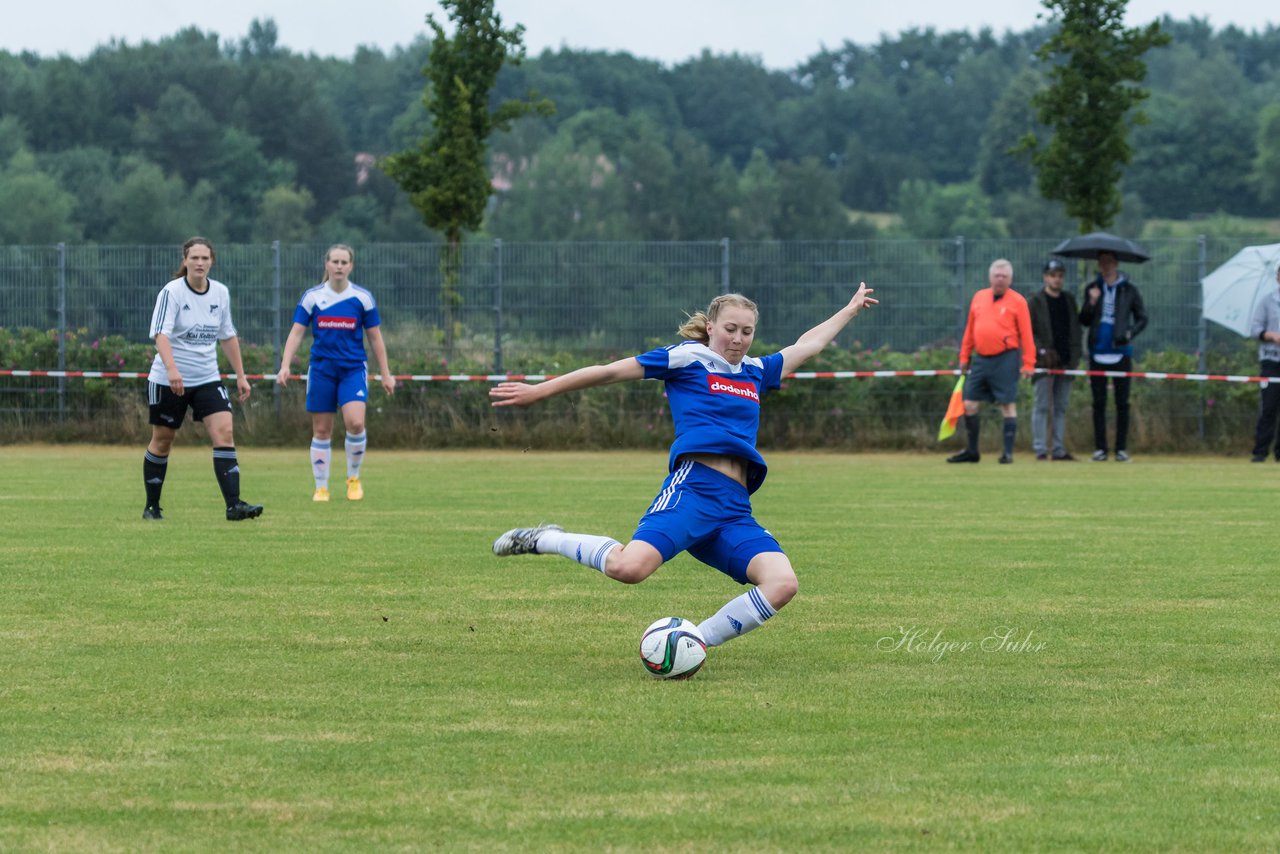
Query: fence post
1201, 328
277, 344
725, 283
960, 300
62, 331
497, 305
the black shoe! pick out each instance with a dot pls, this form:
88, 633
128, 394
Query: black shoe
1258, 458
1006, 459
241, 510
153, 512
1065, 458
965, 456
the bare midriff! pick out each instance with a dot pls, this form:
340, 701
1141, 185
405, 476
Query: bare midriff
733, 467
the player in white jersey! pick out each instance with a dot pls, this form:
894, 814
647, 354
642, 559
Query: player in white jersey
192, 315
714, 389
337, 310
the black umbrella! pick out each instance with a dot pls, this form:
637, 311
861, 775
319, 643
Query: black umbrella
1089, 245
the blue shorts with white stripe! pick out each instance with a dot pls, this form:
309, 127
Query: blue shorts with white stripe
707, 514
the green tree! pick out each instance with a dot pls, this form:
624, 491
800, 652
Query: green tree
88, 174
729, 102
1266, 165
147, 206
1028, 215
283, 215
1195, 152
1093, 63
570, 191
179, 135
704, 192
759, 199
243, 175
446, 175
1002, 166
13, 137
930, 210
37, 210
809, 205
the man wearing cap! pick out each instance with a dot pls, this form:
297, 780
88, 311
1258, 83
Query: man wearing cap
1056, 329
997, 338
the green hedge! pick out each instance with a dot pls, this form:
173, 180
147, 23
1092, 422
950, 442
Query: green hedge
863, 414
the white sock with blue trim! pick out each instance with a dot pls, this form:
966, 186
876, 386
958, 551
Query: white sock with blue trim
355, 445
737, 617
587, 549
321, 454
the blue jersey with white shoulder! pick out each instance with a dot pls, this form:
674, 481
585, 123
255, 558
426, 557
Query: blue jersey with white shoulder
715, 405
337, 321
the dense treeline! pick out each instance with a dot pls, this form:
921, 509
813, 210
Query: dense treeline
246, 141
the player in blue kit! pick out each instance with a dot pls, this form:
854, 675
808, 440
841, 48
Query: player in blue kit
340, 314
714, 389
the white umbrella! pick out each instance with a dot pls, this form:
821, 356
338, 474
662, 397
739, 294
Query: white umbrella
1232, 292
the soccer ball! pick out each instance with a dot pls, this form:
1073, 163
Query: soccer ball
672, 648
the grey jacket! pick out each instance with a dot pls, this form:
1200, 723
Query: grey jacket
1266, 318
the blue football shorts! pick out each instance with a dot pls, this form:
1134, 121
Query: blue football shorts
331, 385
707, 514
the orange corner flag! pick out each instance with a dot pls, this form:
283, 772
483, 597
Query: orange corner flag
954, 410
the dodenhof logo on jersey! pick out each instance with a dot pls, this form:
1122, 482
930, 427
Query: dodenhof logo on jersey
330, 322
737, 388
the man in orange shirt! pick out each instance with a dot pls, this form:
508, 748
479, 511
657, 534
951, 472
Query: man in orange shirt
998, 340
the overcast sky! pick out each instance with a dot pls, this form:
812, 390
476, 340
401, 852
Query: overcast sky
782, 33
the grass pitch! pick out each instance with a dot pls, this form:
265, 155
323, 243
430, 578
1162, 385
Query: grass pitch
1042, 656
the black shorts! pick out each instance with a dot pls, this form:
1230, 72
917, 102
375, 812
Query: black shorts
994, 378
169, 409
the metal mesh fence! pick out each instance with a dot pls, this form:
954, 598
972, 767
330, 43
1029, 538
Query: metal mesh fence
521, 304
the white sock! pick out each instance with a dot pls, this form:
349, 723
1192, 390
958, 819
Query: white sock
737, 617
354, 446
320, 454
587, 549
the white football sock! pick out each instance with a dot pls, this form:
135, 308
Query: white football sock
355, 445
737, 617
320, 454
587, 549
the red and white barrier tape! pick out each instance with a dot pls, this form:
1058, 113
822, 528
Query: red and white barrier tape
798, 375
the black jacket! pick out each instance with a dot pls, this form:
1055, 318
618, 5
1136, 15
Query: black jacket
1042, 330
1131, 315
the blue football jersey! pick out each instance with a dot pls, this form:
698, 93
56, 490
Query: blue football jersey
715, 405
337, 321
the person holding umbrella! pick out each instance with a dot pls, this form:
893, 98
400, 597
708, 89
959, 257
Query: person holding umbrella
1112, 309
1266, 328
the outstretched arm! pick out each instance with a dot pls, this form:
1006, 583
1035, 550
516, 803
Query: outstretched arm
523, 394
811, 343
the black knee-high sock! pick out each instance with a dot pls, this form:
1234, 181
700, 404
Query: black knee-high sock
971, 424
154, 468
1010, 433
228, 474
